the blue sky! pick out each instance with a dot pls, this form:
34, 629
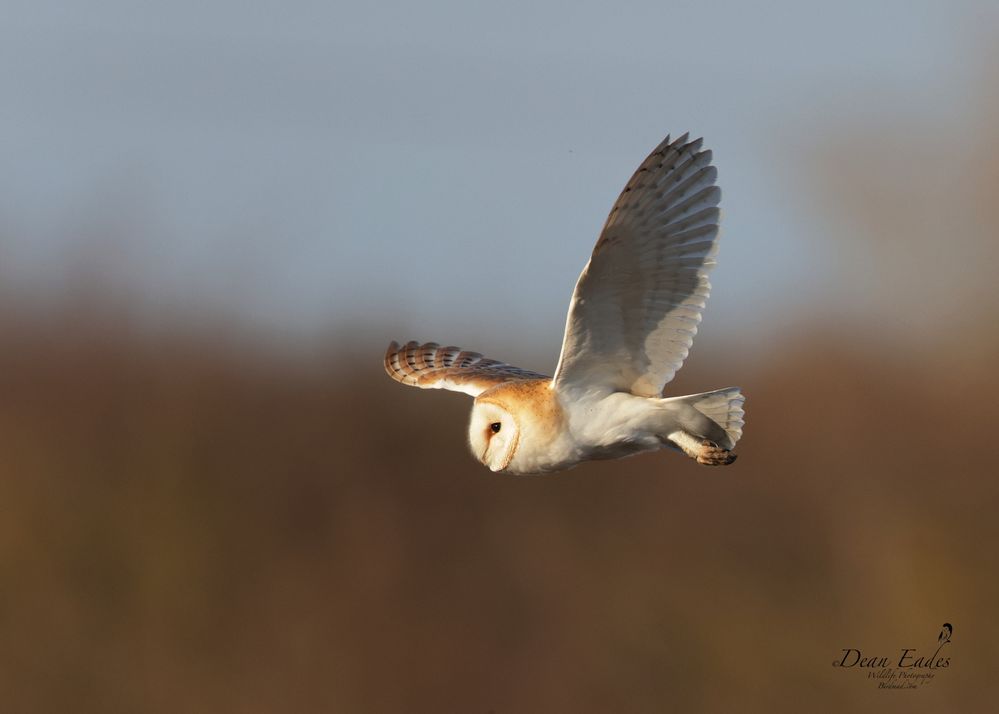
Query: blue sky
441, 169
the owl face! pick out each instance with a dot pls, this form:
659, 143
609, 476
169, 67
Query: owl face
493, 434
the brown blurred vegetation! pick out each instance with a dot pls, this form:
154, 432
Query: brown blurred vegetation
190, 525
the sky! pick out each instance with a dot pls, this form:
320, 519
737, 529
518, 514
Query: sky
438, 169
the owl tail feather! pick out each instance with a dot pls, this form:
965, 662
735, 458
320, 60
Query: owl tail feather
723, 409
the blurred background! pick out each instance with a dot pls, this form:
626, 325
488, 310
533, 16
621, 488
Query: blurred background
213, 218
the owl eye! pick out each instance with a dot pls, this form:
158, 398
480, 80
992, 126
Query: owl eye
495, 426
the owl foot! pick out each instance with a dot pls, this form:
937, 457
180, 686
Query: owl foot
710, 454
703, 451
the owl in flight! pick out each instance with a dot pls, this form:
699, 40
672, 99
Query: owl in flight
632, 318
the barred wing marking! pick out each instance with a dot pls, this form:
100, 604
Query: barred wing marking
431, 366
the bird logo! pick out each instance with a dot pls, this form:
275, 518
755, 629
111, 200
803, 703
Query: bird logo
946, 631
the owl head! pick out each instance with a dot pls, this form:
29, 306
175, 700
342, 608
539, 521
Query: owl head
493, 434
514, 425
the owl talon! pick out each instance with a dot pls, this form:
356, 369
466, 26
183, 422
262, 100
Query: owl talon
703, 451
710, 454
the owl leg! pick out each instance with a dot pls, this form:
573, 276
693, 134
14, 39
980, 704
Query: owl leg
703, 451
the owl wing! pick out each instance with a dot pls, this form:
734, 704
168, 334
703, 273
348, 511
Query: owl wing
638, 301
431, 366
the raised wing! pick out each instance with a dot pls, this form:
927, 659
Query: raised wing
431, 366
638, 301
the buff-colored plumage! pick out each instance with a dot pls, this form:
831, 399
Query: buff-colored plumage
631, 322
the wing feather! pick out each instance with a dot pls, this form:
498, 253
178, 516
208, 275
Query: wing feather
430, 366
638, 301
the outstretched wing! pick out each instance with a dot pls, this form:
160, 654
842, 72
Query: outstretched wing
638, 301
431, 366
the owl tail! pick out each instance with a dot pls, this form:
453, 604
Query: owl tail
714, 415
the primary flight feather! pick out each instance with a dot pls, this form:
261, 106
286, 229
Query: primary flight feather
632, 319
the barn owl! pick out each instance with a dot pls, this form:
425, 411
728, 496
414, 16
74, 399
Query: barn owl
632, 319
